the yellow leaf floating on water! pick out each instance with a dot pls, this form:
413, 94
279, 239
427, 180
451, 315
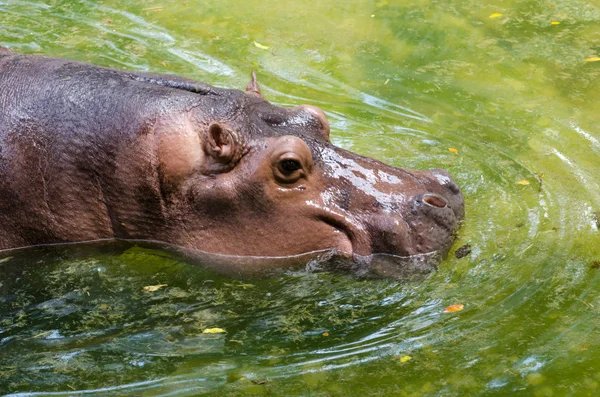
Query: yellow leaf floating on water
153, 288
262, 47
592, 59
453, 150
523, 182
214, 331
554, 23
405, 359
325, 334
495, 16
454, 308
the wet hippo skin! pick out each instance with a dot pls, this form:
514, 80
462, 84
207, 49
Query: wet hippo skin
90, 153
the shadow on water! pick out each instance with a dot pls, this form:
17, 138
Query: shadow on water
508, 87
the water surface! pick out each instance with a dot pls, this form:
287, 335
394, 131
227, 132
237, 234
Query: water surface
504, 84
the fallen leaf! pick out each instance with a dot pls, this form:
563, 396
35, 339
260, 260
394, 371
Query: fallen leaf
325, 334
405, 359
454, 308
40, 335
153, 288
592, 59
5, 259
214, 331
240, 285
262, 47
523, 182
107, 20
453, 150
495, 16
554, 23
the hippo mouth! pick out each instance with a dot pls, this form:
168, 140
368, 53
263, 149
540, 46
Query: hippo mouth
340, 225
398, 235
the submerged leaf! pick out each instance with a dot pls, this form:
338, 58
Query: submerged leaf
454, 308
153, 288
214, 331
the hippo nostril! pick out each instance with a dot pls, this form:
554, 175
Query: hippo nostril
453, 186
445, 179
435, 201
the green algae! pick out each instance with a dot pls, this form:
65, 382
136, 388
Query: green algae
402, 81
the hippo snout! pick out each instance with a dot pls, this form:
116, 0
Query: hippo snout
392, 211
423, 226
434, 214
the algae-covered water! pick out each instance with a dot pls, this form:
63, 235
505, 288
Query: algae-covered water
503, 94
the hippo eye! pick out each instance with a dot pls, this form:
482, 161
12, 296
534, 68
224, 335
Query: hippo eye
289, 166
291, 162
289, 169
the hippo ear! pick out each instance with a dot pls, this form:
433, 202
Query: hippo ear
223, 148
252, 87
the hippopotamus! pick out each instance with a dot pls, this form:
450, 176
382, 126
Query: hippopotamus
90, 153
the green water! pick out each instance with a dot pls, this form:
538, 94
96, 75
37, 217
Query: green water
401, 81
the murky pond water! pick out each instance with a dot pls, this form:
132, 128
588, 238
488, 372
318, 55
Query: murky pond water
511, 87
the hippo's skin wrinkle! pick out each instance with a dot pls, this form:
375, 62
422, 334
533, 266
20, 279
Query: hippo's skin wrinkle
90, 153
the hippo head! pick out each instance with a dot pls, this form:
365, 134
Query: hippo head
251, 179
